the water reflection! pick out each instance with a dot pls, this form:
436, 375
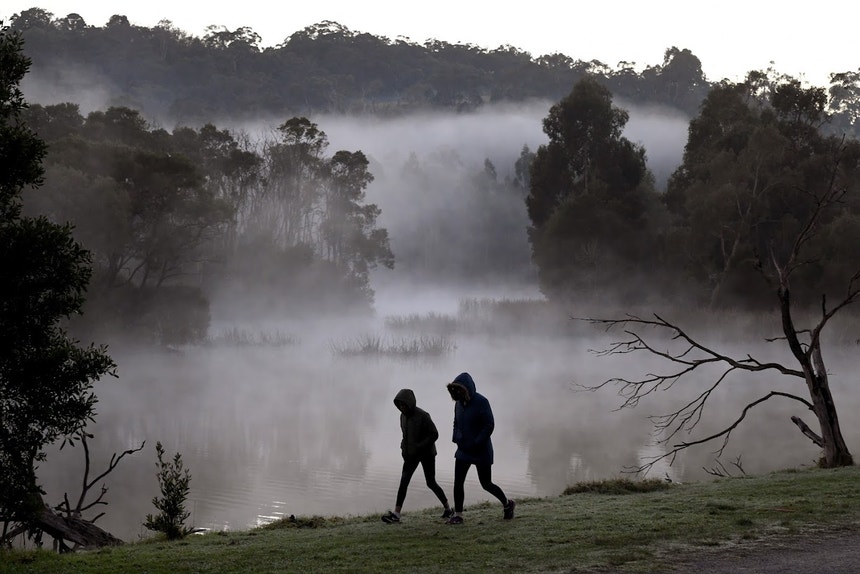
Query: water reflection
271, 432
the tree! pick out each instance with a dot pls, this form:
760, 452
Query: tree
732, 161
348, 229
590, 195
32, 18
291, 205
844, 102
46, 378
754, 163
790, 189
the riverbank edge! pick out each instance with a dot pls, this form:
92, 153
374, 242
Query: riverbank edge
665, 530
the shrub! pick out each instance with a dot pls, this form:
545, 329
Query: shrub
173, 481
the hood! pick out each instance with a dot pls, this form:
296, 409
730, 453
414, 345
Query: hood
465, 380
407, 397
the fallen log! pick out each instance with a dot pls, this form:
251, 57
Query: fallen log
82, 534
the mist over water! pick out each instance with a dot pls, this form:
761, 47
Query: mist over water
269, 432
297, 430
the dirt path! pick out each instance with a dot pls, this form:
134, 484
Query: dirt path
821, 553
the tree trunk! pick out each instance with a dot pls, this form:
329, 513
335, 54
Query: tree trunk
835, 450
811, 362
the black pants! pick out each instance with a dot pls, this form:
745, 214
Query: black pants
428, 463
485, 475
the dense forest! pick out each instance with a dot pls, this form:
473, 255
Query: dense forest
164, 72
174, 218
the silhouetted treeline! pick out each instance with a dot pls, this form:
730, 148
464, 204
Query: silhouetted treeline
165, 72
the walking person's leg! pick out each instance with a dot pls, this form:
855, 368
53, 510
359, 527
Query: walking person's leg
460, 470
485, 475
409, 466
429, 467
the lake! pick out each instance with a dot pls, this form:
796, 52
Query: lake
272, 431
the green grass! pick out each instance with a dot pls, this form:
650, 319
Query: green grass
587, 530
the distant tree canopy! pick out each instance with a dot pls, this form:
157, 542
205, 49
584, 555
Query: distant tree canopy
165, 72
326, 67
591, 200
170, 217
757, 163
760, 160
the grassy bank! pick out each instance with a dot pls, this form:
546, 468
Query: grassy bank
595, 529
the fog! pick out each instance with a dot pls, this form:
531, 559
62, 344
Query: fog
272, 431
269, 432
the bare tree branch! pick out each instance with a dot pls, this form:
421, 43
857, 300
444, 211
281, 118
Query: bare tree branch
721, 470
725, 434
804, 428
87, 484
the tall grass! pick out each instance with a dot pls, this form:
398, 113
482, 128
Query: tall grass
504, 316
496, 317
435, 323
402, 347
236, 337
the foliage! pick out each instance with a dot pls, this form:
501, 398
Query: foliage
174, 483
145, 211
327, 67
161, 211
591, 202
305, 228
755, 168
46, 378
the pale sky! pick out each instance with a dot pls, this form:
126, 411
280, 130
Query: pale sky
807, 41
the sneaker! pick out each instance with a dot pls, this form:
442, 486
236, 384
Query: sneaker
390, 518
449, 512
455, 520
509, 509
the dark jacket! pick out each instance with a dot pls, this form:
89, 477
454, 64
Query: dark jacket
419, 432
473, 424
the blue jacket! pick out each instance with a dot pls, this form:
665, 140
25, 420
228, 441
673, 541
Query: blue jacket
473, 424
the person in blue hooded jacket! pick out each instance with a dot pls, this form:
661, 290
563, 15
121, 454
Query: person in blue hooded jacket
473, 425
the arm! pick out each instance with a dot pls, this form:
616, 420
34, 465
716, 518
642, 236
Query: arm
488, 423
429, 434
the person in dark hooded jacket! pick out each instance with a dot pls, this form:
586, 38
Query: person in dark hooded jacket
418, 446
473, 425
